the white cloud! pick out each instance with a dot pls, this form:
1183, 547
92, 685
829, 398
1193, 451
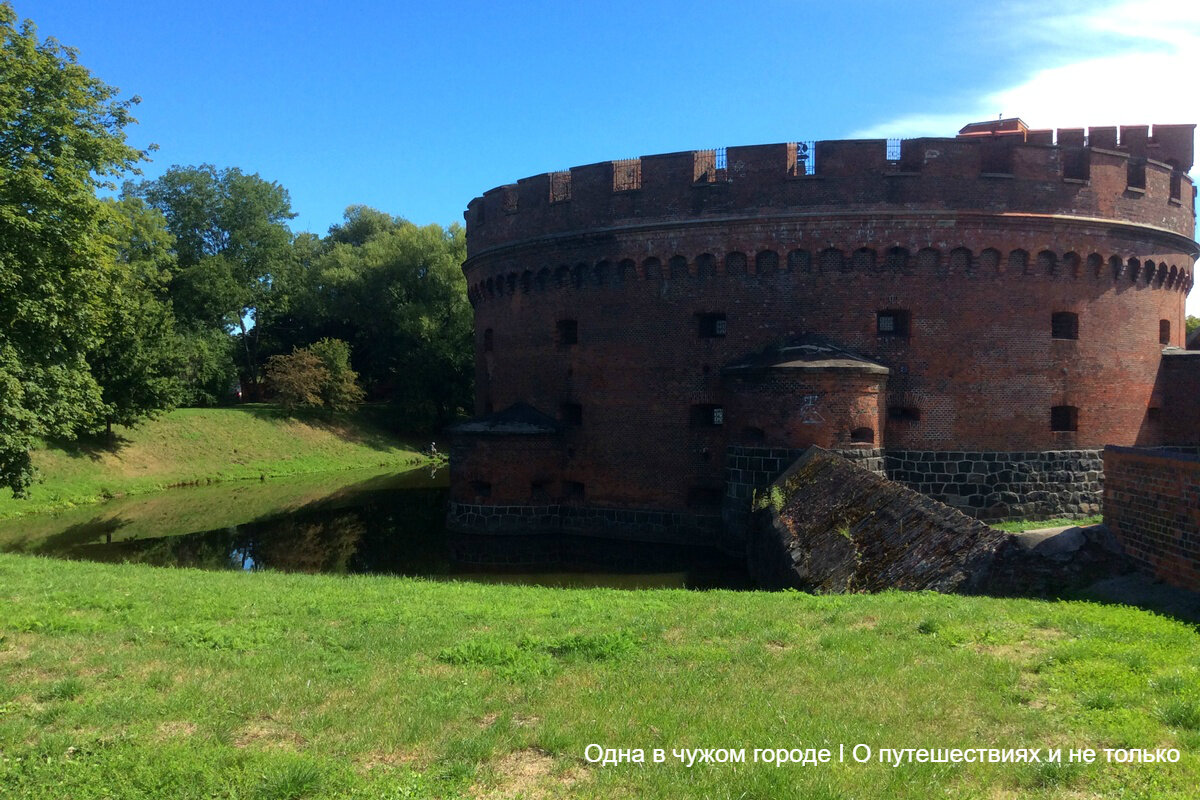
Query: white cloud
1130, 63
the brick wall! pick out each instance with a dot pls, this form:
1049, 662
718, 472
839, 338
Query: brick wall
1152, 506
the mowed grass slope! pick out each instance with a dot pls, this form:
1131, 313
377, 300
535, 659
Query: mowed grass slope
195, 445
135, 682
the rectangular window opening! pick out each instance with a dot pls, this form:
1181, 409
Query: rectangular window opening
892, 322
1064, 325
571, 414
712, 325
1064, 418
904, 414
707, 415
568, 332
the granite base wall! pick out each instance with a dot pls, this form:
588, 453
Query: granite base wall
1012, 485
642, 525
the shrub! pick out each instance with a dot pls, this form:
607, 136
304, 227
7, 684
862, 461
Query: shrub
297, 379
340, 390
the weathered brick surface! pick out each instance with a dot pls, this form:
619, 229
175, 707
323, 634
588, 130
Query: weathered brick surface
1152, 506
834, 527
978, 262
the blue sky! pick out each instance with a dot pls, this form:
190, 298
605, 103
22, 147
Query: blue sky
415, 108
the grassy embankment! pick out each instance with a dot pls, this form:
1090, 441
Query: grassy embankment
134, 682
196, 446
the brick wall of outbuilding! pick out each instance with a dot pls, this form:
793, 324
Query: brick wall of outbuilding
1152, 506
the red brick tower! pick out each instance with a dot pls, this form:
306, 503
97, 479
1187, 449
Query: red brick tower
976, 316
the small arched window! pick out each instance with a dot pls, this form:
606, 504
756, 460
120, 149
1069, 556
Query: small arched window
863, 259
1018, 262
1164, 331
1047, 263
960, 261
766, 262
1116, 266
832, 260
678, 267
897, 259
735, 263
989, 261
799, 261
1072, 265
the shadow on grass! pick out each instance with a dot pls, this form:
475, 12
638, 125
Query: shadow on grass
378, 426
1144, 592
91, 446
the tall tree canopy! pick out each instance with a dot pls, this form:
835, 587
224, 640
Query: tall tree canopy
61, 137
233, 246
395, 291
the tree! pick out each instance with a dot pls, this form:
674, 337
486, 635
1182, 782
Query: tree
138, 360
316, 376
397, 293
340, 391
62, 136
296, 379
233, 246
1192, 324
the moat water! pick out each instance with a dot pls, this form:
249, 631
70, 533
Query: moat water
349, 523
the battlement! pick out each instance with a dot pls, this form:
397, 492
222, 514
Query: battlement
1133, 174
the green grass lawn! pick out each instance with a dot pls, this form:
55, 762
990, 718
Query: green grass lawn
207, 445
1016, 526
136, 682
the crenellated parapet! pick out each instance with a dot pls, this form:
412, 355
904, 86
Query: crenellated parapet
1132, 174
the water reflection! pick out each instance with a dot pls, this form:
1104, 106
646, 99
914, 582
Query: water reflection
350, 523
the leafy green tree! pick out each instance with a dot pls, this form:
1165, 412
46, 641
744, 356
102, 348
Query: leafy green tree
62, 136
138, 360
396, 292
1192, 323
208, 365
340, 391
233, 246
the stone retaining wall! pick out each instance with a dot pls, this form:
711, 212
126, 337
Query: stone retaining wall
997, 486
